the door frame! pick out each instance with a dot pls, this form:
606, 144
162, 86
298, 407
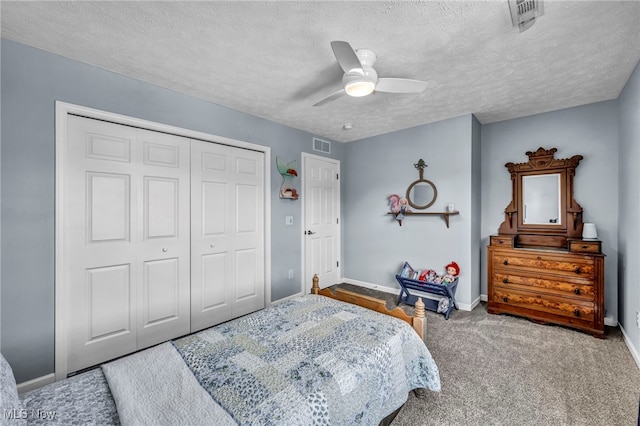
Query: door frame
305, 285
62, 111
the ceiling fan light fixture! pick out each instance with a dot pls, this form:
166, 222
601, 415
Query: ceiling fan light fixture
360, 79
360, 82
359, 88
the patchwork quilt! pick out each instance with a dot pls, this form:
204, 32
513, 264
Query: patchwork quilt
310, 360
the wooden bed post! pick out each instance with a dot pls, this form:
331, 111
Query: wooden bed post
419, 319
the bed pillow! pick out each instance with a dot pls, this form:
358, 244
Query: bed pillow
11, 409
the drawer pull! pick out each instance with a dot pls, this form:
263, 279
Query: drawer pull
500, 242
576, 312
505, 299
585, 247
576, 290
506, 262
577, 270
505, 280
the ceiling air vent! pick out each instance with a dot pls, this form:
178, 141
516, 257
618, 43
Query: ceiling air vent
525, 12
321, 146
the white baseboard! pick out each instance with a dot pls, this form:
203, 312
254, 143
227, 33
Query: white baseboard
36, 383
386, 289
632, 349
465, 307
610, 322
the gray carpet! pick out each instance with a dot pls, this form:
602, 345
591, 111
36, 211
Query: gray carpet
503, 370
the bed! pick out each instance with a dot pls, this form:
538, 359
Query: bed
309, 360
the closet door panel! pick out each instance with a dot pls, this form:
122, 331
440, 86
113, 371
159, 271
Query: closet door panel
164, 278
211, 237
246, 273
213, 211
161, 208
214, 283
99, 223
109, 301
249, 234
108, 207
126, 239
227, 225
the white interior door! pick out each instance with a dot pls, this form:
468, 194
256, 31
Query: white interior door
321, 220
227, 233
164, 255
126, 248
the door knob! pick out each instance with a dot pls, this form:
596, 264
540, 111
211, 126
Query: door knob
164, 250
309, 232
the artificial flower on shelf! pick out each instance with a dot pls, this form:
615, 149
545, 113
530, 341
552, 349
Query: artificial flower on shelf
288, 173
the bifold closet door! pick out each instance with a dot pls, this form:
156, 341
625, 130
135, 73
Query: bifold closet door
227, 233
126, 239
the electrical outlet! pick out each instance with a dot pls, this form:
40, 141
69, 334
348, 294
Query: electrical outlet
290, 273
638, 319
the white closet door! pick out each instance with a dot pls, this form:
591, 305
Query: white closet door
126, 248
227, 233
164, 258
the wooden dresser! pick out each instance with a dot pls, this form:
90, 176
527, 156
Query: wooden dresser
559, 286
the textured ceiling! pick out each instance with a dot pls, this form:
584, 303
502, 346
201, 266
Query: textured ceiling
274, 59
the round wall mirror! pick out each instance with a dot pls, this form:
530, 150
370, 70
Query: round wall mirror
421, 194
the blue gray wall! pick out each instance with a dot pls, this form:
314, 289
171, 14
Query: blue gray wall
374, 245
629, 225
32, 80
465, 161
590, 131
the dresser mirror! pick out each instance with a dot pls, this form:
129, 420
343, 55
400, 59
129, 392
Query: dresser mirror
542, 211
541, 195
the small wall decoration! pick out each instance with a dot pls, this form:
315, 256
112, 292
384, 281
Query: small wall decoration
421, 194
398, 206
288, 172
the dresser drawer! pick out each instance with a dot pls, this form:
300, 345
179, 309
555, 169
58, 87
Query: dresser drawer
576, 288
567, 308
502, 240
569, 266
582, 246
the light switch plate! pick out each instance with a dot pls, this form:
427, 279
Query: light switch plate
288, 220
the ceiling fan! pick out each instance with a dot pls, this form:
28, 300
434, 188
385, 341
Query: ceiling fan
360, 79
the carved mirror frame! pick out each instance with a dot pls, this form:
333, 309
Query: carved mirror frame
420, 165
542, 162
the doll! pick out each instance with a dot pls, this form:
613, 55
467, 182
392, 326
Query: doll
398, 206
453, 270
403, 208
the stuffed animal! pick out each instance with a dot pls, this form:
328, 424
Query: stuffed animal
443, 305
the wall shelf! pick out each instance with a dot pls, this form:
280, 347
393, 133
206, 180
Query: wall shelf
445, 215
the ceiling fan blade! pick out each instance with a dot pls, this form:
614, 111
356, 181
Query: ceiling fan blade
345, 55
400, 85
330, 98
